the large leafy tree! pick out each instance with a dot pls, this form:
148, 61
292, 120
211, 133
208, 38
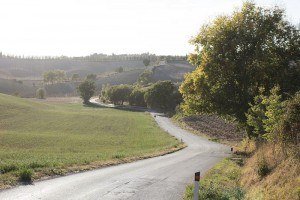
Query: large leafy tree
162, 95
136, 98
117, 94
237, 54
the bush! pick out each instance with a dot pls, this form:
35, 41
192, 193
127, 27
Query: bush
25, 175
41, 93
263, 168
8, 168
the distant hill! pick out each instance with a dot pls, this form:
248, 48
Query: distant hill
172, 70
23, 77
34, 68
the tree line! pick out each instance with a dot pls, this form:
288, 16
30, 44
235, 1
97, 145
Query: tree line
98, 57
162, 95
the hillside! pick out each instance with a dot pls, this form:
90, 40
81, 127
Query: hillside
172, 70
33, 68
53, 139
23, 86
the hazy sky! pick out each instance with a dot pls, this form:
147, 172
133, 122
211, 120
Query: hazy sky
82, 27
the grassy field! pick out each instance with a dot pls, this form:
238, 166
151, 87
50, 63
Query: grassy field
52, 139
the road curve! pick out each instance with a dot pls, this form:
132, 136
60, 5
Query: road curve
163, 177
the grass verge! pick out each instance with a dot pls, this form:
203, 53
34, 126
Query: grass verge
220, 183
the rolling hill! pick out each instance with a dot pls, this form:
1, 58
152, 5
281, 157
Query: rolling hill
53, 139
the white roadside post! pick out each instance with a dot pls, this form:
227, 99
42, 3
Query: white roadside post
196, 186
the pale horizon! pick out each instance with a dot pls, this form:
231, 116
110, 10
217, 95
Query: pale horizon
80, 28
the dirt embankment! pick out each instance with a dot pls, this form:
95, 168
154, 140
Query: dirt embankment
214, 127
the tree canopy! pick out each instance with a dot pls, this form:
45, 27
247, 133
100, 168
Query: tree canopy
86, 90
54, 76
145, 77
136, 98
146, 62
117, 94
91, 77
235, 55
162, 95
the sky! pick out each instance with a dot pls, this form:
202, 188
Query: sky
83, 27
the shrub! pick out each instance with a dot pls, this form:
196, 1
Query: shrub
146, 62
263, 168
8, 168
41, 93
25, 175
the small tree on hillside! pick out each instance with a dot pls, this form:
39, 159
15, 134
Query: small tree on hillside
41, 93
145, 77
75, 77
91, 77
86, 90
290, 131
119, 69
54, 76
146, 62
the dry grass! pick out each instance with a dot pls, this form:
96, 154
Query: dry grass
283, 181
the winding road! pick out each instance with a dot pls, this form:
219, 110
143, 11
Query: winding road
163, 177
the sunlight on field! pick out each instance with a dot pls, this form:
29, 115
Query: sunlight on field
52, 138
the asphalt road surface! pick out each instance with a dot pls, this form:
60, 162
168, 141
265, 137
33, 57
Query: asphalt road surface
163, 177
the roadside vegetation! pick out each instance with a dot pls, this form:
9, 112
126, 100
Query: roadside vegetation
43, 139
248, 73
220, 183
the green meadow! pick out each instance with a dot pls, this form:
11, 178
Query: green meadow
49, 139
